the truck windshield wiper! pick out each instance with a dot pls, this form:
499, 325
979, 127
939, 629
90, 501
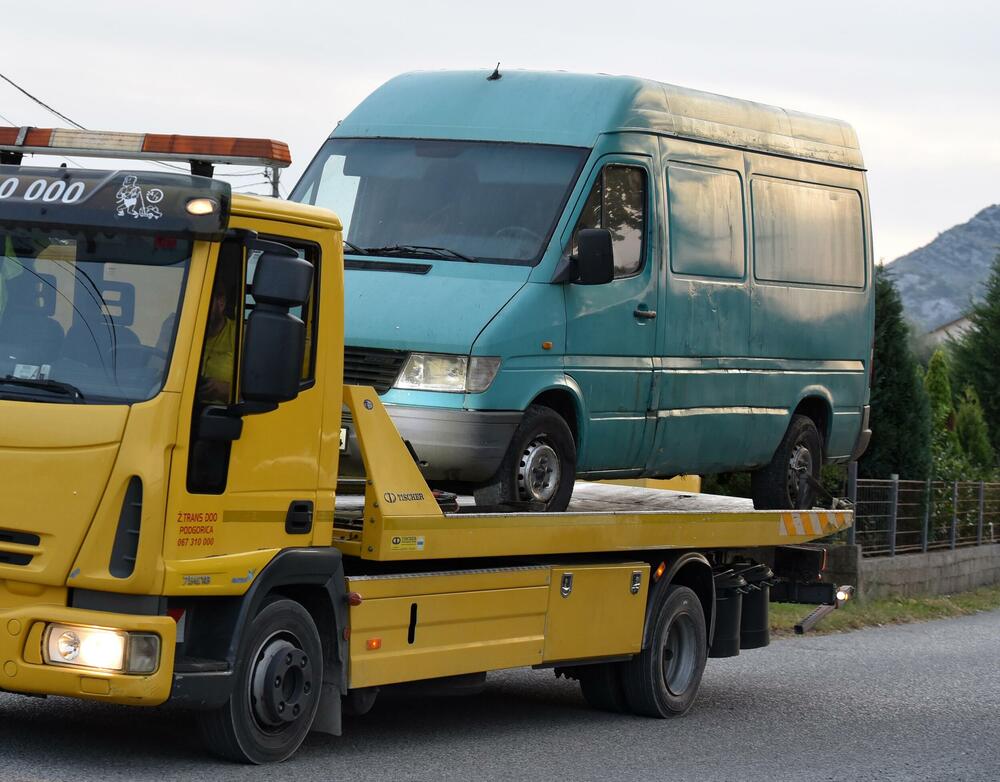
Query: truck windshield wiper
52, 386
354, 248
419, 249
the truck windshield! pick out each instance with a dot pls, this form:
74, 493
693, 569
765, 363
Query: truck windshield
87, 315
456, 200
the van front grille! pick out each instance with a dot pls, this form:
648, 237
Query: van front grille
372, 367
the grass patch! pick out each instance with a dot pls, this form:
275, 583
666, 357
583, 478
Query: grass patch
875, 613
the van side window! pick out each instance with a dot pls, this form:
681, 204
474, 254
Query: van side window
618, 202
705, 209
311, 253
806, 233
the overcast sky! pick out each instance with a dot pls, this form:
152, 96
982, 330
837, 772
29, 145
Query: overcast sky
919, 81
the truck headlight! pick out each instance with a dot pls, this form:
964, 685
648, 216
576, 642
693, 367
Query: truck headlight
440, 372
107, 650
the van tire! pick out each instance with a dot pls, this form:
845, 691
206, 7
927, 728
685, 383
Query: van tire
278, 680
539, 467
775, 486
663, 680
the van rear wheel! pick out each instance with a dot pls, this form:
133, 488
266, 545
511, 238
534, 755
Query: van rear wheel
777, 486
539, 466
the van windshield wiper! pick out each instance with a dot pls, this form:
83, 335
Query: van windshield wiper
418, 250
52, 386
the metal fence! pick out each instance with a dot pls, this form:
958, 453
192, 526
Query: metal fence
897, 516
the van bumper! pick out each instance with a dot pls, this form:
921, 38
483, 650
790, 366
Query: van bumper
864, 437
451, 445
24, 670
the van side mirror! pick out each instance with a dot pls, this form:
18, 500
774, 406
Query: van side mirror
275, 341
595, 257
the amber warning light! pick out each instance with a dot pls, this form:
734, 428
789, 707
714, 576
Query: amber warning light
204, 150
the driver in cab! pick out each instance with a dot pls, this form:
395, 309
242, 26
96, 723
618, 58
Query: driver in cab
216, 375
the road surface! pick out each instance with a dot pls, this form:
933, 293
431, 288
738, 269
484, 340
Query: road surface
910, 702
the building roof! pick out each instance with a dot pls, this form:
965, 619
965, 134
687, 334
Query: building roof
574, 109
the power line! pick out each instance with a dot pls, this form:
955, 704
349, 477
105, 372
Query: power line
41, 103
59, 114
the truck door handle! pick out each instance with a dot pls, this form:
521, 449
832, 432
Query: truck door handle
299, 520
644, 314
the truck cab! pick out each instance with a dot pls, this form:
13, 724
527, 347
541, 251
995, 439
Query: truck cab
163, 392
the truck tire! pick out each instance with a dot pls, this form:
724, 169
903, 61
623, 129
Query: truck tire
663, 680
278, 680
601, 685
776, 486
539, 466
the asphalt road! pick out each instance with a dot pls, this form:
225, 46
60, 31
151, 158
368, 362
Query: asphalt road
913, 702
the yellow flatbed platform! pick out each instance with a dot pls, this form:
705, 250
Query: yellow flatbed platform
399, 519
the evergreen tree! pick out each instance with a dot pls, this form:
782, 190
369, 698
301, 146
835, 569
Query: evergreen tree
900, 417
947, 459
977, 354
973, 436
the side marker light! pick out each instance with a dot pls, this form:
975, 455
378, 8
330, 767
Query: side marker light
374, 644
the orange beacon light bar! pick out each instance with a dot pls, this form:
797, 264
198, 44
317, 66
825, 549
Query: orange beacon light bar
202, 152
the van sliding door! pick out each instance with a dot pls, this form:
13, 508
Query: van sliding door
701, 383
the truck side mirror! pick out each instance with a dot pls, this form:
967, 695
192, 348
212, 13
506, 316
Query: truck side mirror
275, 342
595, 257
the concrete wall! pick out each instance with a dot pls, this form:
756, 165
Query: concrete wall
908, 575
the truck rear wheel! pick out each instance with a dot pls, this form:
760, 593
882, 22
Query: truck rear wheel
539, 466
278, 681
663, 680
777, 485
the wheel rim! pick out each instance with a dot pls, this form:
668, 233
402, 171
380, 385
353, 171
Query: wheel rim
801, 461
538, 471
680, 653
282, 685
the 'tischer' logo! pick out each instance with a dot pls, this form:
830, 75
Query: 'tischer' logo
410, 496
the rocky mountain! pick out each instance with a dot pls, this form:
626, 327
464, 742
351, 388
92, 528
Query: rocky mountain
937, 281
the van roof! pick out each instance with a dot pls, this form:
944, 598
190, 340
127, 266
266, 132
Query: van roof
574, 109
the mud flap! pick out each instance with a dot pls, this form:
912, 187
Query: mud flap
329, 719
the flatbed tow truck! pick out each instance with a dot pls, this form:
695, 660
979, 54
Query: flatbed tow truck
165, 537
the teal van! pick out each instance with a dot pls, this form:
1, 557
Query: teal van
553, 276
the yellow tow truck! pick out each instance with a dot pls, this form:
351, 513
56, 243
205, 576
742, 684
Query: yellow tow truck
171, 397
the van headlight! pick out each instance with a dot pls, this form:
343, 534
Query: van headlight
102, 649
440, 372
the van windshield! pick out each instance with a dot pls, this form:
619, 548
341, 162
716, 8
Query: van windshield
470, 199
87, 315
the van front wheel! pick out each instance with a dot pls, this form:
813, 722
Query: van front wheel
539, 466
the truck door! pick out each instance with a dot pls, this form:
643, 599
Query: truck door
259, 490
611, 328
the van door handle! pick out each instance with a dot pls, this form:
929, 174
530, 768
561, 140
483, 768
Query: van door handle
644, 314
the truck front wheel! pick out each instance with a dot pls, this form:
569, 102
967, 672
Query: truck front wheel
663, 680
278, 680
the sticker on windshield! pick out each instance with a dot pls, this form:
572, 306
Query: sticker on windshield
133, 201
32, 371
